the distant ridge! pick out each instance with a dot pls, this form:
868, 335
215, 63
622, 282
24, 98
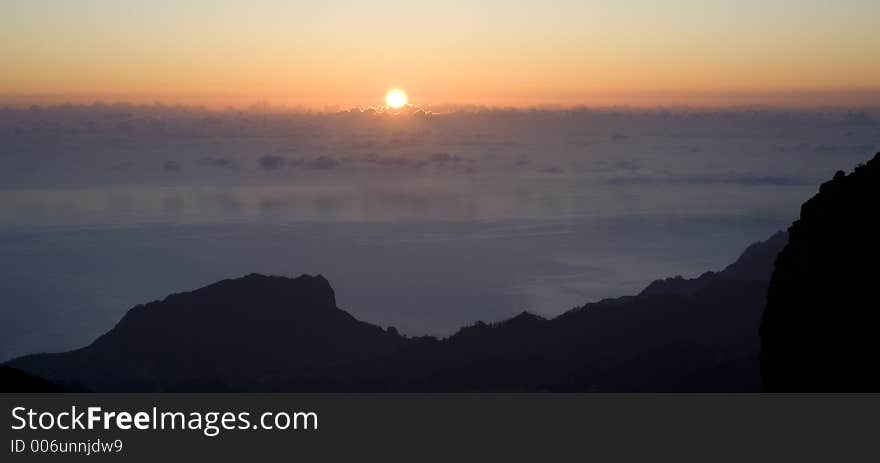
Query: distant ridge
755, 263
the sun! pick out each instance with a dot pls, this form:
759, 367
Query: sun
396, 98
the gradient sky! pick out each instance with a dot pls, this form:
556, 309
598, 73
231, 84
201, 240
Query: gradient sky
517, 53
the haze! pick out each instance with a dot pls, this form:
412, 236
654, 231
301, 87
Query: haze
423, 221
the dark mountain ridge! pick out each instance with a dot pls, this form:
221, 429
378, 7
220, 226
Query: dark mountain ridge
268, 333
819, 330
755, 264
238, 334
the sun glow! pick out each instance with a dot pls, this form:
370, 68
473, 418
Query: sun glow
396, 98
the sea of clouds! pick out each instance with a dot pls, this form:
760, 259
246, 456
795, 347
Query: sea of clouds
425, 219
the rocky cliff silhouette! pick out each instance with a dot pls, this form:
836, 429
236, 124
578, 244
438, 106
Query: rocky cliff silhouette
819, 330
261, 333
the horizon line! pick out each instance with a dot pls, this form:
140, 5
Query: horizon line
432, 108
803, 98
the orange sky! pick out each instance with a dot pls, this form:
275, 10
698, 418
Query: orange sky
515, 53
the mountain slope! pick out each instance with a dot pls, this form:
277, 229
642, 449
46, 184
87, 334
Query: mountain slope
261, 333
241, 334
13, 380
819, 328
754, 264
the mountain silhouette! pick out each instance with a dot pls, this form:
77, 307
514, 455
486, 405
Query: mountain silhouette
819, 329
755, 264
269, 333
15, 380
238, 334
701, 339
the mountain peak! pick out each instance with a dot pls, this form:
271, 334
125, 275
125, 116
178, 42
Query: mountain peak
266, 297
524, 317
315, 289
242, 332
